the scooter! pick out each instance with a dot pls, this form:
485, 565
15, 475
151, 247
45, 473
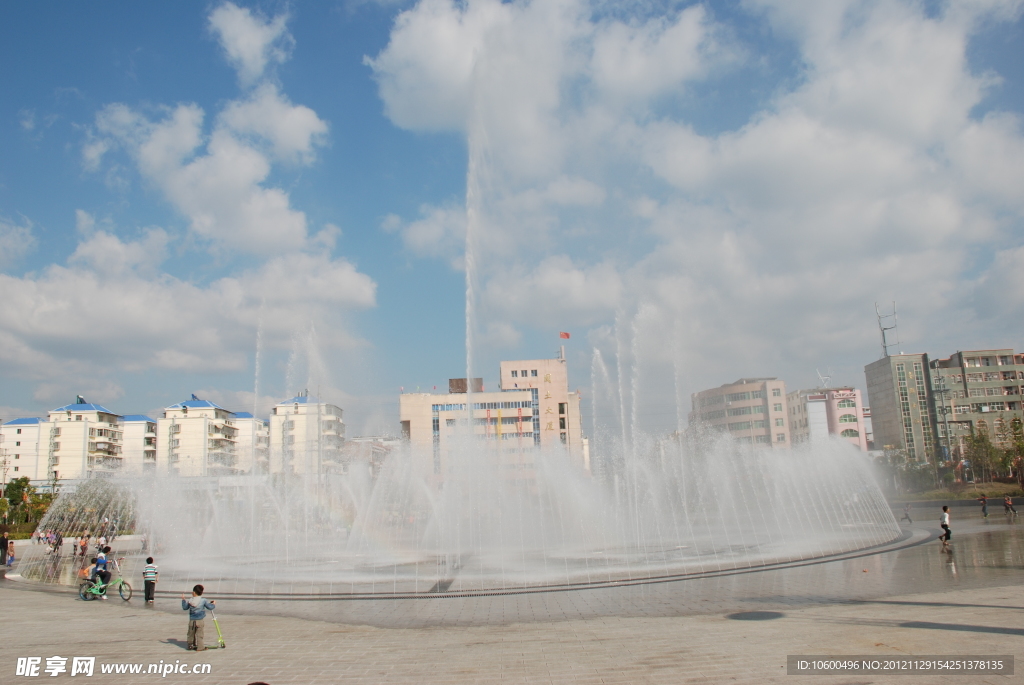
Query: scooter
220, 635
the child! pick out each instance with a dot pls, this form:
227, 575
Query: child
149, 575
945, 537
906, 513
1008, 505
196, 608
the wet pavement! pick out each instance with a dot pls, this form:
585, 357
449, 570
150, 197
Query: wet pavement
738, 628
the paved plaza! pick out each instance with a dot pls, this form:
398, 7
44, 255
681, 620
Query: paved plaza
739, 628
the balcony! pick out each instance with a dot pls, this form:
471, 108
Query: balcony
108, 464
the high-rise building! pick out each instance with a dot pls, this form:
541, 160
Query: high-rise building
750, 410
306, 436
902, 414
818, 413
196, 438
139, 448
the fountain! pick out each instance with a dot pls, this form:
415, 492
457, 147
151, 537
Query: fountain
652, 508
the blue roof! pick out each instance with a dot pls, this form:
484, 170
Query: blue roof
21, 422
84, 407
137, 417
243, 415
298, 400
198, 404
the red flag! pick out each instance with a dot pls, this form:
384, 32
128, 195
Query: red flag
563, 335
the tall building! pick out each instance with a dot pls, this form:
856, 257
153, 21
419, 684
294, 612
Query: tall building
196, 438
816, 414
976, 391
252, 442
306, 436
84, 441
902, 415
22, 442
533, 410
750, 410
139, 449
928, 408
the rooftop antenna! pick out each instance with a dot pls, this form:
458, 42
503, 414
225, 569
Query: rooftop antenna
884, 319
826, 380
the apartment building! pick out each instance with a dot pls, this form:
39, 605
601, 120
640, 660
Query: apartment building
21, 443
139, 448
196, 438
976, 391
306, 436
929, 407
252, 444
80, 440
818, 413
751, 410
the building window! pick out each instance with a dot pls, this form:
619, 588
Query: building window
737, 396
780, 437
850, 433
17, 444
759, 424
762, 438
515, 374
776, 392
777, 407
78, 417
846, 404
780, 422
562, 406
19, 431
15, 469
848, 418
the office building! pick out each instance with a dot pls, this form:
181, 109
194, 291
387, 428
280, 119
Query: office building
532, 411
750, 410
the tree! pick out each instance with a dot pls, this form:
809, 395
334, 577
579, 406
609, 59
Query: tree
982, 454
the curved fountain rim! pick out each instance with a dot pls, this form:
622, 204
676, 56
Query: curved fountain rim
909, 537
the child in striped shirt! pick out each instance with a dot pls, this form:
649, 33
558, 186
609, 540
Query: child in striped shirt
149, 574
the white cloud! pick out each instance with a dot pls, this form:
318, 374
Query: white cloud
439, 232
293, 131
110, 310
16, 240
250, 41
220, 188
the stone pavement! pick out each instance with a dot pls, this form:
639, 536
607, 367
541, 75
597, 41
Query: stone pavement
967, 602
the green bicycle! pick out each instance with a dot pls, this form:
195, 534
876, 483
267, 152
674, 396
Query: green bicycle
89, 590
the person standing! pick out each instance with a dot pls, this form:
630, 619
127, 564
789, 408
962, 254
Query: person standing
948, 535
4, 544
196, 608
984, 505
149, 576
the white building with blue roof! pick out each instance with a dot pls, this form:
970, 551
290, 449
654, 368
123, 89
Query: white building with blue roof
196, 438
306, 436
139, 443
20, 448
81, 440
252, 445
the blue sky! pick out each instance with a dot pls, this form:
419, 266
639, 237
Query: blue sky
697, 192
